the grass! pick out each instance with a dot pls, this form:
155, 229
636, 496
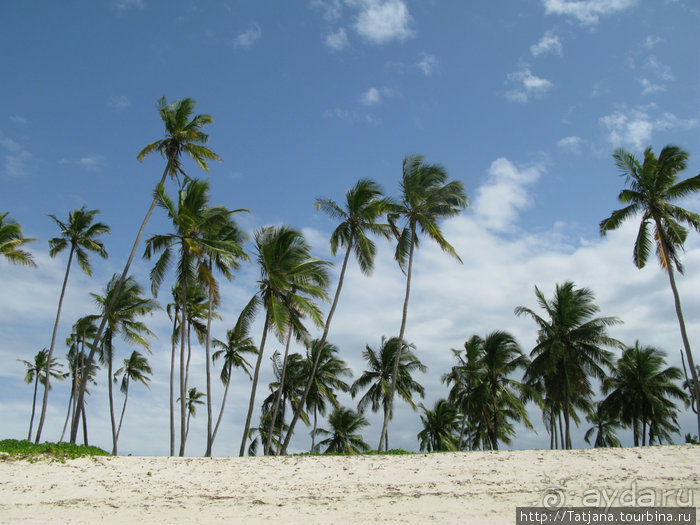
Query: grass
25, 450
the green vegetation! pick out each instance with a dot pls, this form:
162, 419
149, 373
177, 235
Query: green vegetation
50, 451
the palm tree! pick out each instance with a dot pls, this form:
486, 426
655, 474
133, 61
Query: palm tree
570, 349
123, 319
183, 134
426, 197
194, 398
193, 220
604, 425
363, 207
135, 369
237, 343
441, 427
639, 393
653, 185
379, 376
11, 239
285, 265
34, 375
80, 234
343, 437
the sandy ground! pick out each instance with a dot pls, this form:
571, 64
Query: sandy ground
474, 487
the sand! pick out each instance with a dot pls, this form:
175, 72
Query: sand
471, 487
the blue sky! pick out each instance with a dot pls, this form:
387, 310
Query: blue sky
522, 100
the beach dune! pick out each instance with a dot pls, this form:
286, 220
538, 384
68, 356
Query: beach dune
467, 487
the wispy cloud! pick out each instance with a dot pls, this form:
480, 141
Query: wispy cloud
19, 120
119, 102
129, 4
587, 12
549, 43
248, 37
636, 126
91, 163
526, 85
337, 40
570, 144
381, 21
17, 160
332, 9
374, 95
427, 63
351, 117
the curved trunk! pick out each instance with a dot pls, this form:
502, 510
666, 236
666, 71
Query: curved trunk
392, 390
207, 350
223, 404
121, 418
47, 384
314, 368
278, 397
251, 403
31, 419
70, 402
110, 391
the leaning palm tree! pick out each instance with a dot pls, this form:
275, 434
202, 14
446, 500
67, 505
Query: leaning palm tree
653, 185
183, 134
364, 204
124, 319
343, 437
571, 348
34, 375
11, 241
135, 369
285, 264
640, 392
79, 234
441, 427
426, 198
379, 376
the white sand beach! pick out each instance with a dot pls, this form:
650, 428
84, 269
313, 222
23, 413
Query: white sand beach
473, 487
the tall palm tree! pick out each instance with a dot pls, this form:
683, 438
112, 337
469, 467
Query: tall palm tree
426, 198
237, 343
441, 427
653, 185
11, 240
79, 234
183, 134
571, 348
135, 369
285, 263
364, 205
604, 425
193, 222
124, 319
34, 375
379, 377
343, 437
640, 392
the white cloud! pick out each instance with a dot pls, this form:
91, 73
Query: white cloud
587, 12
19, 120
17, 160
332, 9
126, 4
636, 126
549, 43
572, 144
650, 87
338, 40
427, 63
661, 71
381, 21
351, 117
371, 97
91, 163
119, 102
651, 42
526, 86
248, 37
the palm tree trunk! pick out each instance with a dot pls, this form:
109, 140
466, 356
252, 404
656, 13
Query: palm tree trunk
313, 432
70, 402
207, 350
85, 432
223, 404
392, 389
47, 384
183, 385
561, 432
278, 397
461, 431
644, 432
314, 368
173, 340
110, 305
251, 403
110, 392
31, 419
121, 418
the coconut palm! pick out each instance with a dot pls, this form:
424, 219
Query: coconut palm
135, 369
640, 392
571, 348
194, 398
426, 198
604, 425
11, 240
183, 134
441, 427
34, 375
379, 375
343, 437
79, 234
124, 319
364, 204
237, 343
653, 185
285, 265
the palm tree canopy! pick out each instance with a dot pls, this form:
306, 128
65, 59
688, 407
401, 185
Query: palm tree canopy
343, 438
38, 366
135, 369
653, 185
440, 427
238, 342
11, 239
80, 234
183, 133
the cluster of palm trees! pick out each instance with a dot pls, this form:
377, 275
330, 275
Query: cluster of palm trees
484, 401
